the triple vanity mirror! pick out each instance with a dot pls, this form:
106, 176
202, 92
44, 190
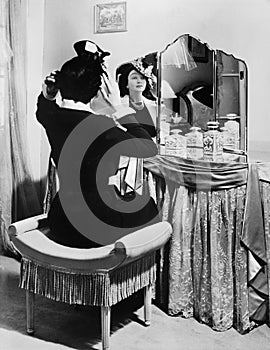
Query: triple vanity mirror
197, 85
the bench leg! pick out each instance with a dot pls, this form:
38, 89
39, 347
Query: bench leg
105, 326
147, 304
30, 300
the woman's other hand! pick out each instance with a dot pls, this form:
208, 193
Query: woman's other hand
50, 86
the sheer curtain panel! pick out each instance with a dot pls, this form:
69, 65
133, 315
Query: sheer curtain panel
18, 196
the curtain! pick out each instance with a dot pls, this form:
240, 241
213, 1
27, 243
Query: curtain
265, 190
18, 196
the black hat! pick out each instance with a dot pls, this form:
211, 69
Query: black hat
87, 47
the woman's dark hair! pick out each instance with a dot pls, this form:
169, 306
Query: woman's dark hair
80, 78
122, 74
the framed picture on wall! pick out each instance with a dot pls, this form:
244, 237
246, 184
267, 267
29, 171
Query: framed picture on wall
111, 17
198, 50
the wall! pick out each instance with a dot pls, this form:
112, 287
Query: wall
240, 27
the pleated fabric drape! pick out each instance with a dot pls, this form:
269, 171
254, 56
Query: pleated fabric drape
216, 266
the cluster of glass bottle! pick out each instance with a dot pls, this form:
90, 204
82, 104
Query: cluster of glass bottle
208, 145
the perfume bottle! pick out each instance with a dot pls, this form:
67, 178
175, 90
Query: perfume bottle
232, 126
176, 144
229, 141
213, 143
194, 143
164, 124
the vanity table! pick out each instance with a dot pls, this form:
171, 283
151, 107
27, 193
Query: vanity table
215, 268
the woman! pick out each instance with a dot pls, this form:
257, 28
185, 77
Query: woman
69, 128
135, 81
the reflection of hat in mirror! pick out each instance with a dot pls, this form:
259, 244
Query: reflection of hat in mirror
143, 68
204, 95
123, 70
139, 65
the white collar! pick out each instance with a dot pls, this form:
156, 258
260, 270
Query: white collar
125, 100
76, 105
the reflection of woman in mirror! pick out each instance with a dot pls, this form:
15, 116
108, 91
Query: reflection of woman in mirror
135, 80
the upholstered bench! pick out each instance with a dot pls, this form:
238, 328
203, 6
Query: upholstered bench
98, 276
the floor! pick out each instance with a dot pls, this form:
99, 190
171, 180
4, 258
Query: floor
60, 326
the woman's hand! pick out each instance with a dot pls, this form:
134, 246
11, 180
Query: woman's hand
50, 86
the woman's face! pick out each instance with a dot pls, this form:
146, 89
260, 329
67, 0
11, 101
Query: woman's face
136, 82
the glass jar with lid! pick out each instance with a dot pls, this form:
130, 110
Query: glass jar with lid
213, 142
232, 127
229, 141
194, 143
175, 144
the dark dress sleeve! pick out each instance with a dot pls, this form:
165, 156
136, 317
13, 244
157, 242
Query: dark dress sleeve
47, 110
135, 141
132, 140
